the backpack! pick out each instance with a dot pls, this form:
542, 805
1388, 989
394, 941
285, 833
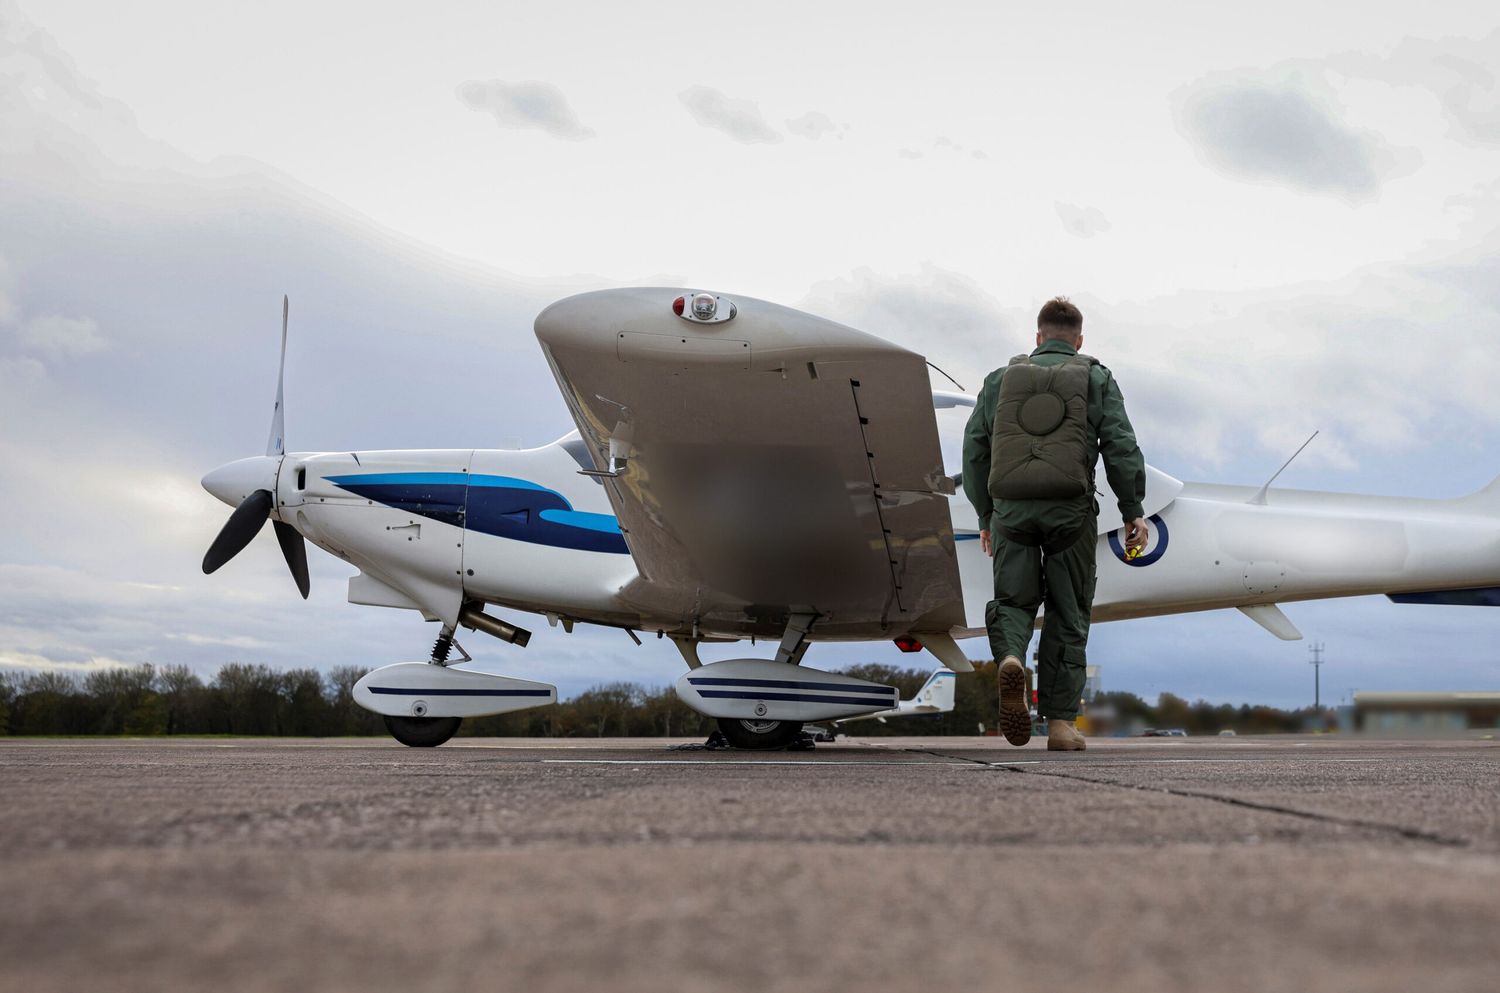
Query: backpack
1039, 437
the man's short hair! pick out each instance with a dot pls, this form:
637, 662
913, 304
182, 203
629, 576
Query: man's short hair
1059, 319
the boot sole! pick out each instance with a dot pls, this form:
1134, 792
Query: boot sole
1015, 715
1072, 746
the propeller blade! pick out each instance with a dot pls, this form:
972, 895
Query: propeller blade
294, 550
276, 444
243, 524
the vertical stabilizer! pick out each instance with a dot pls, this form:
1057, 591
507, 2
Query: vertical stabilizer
937, 694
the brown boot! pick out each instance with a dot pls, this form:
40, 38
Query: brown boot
1015, 712
1062, 736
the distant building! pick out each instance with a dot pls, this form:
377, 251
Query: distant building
1425, 713
1093, 684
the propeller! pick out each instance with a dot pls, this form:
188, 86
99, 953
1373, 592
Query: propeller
294, 550
244, 524
254, 510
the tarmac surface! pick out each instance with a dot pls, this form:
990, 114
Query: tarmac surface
883, 864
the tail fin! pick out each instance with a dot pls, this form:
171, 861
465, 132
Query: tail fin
937, 692
1489, 495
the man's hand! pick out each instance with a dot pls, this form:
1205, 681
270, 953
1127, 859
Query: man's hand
984, 544
1136, 535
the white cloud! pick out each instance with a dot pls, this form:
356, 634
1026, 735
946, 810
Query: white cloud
8, 311
945, 315
1289, 131
21, 377
230, 641
29, 662
947, 144
56, 336
530, 104
1460, 71
1084, 222
1383, 362
812, 125
908, 153
739, 119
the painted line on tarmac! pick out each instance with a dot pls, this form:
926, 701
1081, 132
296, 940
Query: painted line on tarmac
1104, 760
717, 762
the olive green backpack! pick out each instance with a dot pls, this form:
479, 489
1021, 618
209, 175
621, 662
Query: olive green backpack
1039, 441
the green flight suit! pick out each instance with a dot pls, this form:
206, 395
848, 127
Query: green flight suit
1027, 575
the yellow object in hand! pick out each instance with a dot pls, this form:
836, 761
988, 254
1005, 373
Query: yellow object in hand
1133, 552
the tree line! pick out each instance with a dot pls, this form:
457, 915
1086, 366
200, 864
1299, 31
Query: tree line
243, 699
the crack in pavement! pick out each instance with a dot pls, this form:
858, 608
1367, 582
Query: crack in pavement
1407, 833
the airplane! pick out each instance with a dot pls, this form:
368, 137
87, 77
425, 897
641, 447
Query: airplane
934, 697
743, 470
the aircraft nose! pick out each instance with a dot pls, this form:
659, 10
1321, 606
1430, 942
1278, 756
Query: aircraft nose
234, 481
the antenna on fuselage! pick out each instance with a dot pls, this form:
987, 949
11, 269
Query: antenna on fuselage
1259, 499
949, 378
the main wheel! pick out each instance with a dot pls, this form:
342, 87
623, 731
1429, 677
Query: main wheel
422, 732
759, 734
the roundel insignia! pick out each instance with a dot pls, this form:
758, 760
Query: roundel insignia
1156, 545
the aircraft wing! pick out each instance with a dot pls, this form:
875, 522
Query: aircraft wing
765, 464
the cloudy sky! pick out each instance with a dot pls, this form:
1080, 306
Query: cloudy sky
1277, 218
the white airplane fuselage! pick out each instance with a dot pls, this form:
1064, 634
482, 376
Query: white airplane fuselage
432, 530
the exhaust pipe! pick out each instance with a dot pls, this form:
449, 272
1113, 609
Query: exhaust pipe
475, 619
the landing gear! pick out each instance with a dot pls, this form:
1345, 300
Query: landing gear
760, 735
422, 732
428, 732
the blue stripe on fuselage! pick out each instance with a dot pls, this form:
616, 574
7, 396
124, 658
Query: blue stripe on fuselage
503, 506
583, 519
435, 495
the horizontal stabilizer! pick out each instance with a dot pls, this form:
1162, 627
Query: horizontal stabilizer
946, 651
1270, 617
1484, 596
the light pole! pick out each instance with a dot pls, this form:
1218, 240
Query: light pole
1316, 651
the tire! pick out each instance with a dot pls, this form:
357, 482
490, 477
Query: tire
422, 732
760, 735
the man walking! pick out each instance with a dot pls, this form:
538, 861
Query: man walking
1038, 428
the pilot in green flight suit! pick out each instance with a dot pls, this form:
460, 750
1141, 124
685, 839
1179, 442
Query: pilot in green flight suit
1037, 430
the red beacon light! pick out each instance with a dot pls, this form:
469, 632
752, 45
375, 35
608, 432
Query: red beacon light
908, 644
703, 308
